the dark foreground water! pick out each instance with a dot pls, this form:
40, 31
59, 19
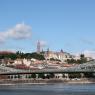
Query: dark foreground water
54, 89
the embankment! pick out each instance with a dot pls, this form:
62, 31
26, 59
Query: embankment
46, 81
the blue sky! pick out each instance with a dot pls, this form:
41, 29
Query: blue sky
59, 24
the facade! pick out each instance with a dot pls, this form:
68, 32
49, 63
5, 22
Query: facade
62, 56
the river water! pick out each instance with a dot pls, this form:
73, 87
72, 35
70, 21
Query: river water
49, 89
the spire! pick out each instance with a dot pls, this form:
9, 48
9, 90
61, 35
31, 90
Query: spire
47, 49
61, 51
38, 46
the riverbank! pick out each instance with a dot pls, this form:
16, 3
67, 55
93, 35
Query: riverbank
46, 81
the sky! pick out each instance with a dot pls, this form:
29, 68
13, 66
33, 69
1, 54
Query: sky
57, 24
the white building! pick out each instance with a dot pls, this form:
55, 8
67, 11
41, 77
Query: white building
22, 61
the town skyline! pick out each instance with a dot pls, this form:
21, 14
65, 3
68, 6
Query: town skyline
47, 47
67, 25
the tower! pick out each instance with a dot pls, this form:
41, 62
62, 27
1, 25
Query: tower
38, 47
61, 51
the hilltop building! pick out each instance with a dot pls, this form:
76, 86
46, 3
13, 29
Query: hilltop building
61, 55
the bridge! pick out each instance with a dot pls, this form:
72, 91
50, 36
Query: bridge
88, 67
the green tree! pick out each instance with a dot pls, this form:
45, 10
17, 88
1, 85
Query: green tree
41, 75
83, 58
71, 61
37, 56
33, 75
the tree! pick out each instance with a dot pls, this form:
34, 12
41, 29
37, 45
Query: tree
41, 75
37, 56
51, 75
33, 75
19, 54
83, 58
52, 59
30, 55
74, 75
71, 61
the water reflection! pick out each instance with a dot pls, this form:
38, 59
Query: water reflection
50, 89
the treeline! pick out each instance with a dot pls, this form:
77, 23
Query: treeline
19, 54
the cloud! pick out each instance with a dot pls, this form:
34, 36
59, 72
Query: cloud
20, 31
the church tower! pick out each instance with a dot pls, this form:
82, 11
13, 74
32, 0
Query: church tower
38, 47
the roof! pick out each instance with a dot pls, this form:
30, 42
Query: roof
7, 52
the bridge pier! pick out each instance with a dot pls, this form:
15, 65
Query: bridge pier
12, 76
37, 76
59, 76
66, 76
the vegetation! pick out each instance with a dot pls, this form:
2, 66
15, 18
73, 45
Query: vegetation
41, 76
18, 54
75, 75
40, 56
82, 60
52, 59
89, 75
7, 56
33, 76
71, 61
47, 76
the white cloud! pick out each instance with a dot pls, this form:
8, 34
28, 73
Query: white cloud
20, 31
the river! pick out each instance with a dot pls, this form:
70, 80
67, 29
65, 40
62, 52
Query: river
48, 89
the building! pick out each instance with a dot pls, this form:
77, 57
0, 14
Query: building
62, 56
